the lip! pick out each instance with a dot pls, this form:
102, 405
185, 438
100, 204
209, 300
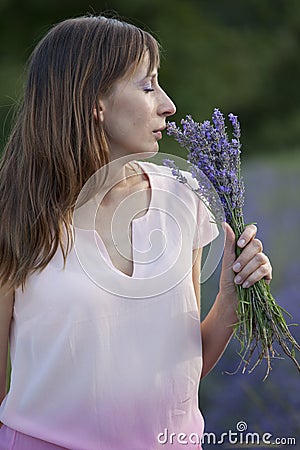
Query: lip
158, 133
160, 129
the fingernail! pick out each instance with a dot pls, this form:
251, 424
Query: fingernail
237, 279
236, 267
241, 242
246, 284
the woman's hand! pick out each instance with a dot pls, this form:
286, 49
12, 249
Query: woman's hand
249, 267
252, 265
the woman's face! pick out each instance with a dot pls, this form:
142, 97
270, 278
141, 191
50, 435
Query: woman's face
135, 113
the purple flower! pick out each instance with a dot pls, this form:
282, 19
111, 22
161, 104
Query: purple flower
215, 163
205, 190
211, 151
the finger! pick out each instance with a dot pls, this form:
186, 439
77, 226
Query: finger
229, 255
253, 264
257, 275
254, 248
268, 280
226, 279
259, 267
247, 235
268, 277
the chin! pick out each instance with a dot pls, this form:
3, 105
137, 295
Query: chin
149, 154
143, 153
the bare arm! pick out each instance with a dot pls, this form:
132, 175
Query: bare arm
6, 309
216, 328
216, 331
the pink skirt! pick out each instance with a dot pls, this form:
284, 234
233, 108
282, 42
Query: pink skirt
13, 440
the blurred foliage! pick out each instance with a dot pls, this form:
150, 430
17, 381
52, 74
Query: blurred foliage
240, 56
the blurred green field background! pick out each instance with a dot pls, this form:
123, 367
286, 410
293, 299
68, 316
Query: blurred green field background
242, 57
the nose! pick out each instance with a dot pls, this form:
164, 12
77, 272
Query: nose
166, 106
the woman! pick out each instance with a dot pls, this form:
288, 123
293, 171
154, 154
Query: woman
105, 345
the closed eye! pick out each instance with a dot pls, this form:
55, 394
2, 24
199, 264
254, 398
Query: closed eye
150, 82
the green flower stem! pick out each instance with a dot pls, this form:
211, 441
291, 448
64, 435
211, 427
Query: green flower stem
260, 320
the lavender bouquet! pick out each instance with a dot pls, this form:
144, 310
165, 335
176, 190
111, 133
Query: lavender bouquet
211, 151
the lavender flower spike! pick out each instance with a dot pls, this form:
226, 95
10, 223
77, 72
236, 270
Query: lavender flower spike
213, 153
175, 170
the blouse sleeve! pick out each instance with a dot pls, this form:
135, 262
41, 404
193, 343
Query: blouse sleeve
206, 229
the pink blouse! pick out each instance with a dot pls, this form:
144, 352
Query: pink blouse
105, 361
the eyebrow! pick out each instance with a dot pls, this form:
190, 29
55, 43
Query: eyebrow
152, 74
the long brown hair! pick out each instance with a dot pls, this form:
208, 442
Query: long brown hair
57, 143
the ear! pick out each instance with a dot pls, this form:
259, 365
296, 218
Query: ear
98, 112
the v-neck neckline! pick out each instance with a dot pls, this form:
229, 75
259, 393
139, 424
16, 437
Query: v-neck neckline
101, 245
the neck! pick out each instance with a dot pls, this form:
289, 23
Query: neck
118, 174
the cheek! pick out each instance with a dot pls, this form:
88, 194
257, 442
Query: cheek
136, 110
130, 112
128, 117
